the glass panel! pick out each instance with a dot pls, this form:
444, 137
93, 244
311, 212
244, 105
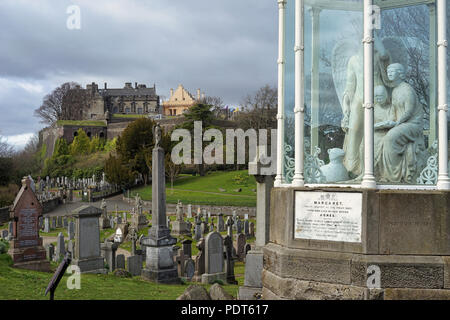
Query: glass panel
289, 93
405, 96
333, 87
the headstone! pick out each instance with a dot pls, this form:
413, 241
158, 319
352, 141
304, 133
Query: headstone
252, 229
70, 246
240, 246
238, 226
200, 261
54, 224
59, 222
187, 247
189, 269
179, 226
159, 260
60, 248
46, 225
49, 251
198, 232
220, 223
109, 249
124, 217
71, 230
118, 236
87, 240
246, 228
230, 224
5, 234
229, 260
213, 258
26, 248
134, 265
189, 211
65, 222
120, 261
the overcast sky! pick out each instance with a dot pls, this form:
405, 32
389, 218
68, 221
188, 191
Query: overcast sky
228, 48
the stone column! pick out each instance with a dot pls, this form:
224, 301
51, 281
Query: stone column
252, 288
159, 258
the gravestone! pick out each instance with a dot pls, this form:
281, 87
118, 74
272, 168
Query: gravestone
179, 226
229, 260
238, 226
71, 230
60, 248
198, 231
65, 222
54, 224
4, 234
220, 223
120, 261
240, 246
118, 236
229, 224
213, 259
70, 246
199, 261
134, 265
252, 229
189, 211
26, 248
247, 228
49, 251
189, 269
87, 240
109, 249
139, 220
159, 259
46, 225
205, 227
59, 222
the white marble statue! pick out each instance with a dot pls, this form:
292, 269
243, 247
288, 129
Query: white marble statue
348, 76
335, 170
399, 153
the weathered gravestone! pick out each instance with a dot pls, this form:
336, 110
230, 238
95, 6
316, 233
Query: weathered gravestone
247, 228
60, 248
109, 249
87, 240
213, 258
229, 260
120, 261
189, 211
220, 223
252, 229
59, 222
199, 261
240, 246
71, 230
26, 248
134, 265
49, 251
179, 226
46, 225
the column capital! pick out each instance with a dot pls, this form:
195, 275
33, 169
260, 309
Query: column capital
281, 4
314, 11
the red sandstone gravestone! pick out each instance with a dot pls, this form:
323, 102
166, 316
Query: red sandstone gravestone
26, 247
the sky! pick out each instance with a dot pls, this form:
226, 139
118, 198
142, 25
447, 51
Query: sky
227, 48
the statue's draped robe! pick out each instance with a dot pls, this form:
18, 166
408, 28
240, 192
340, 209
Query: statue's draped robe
399, 155
353, 142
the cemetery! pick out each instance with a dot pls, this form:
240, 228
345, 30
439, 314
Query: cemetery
356, 209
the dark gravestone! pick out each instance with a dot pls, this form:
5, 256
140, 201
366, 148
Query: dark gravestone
26, 248
213, 258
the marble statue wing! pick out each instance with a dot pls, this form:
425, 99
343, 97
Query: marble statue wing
342, 52
397, 50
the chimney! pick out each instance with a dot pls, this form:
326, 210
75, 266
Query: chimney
171, 93
106, 86
198, 94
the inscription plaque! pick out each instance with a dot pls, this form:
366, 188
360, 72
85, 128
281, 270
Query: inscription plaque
330, 216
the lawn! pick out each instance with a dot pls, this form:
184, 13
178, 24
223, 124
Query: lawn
206, 190
91, 123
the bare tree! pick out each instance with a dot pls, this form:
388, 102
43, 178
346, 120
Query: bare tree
259, 110
52, 108
6, 150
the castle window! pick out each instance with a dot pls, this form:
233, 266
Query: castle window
139, 110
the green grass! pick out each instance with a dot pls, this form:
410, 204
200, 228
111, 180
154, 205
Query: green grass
91, 123
205, 190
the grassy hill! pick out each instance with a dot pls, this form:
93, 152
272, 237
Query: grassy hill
209, 190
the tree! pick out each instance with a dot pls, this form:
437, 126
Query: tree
117, 173
80, 144
53, 108
199, 112
134, 146
259, 110
172, 170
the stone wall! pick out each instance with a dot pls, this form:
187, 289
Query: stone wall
50, 205
69, 131
4, 215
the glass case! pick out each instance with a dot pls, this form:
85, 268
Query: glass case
400, 113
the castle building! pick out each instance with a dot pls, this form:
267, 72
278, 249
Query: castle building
104, 103
180, 100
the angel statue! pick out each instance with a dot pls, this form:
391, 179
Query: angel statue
348, 77
158, 135
400, 153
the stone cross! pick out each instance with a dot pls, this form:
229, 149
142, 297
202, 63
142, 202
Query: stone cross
133, 239
229, 224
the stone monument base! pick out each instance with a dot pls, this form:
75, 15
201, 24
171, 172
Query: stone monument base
249, 293
105, 223
210, 278
403, 251
167, 276
30, 258
180, 228
40, 265
95, 265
